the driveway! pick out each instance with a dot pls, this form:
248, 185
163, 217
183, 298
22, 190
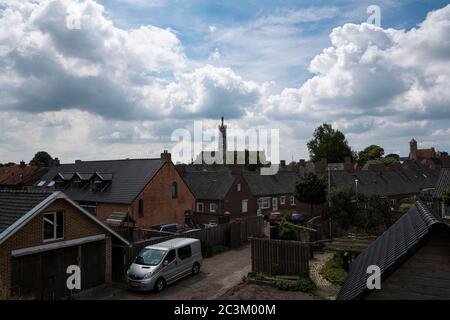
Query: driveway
218, 274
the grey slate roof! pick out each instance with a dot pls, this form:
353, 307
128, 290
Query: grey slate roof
209, 185
15, 204
128, 178
443, 183
386, 182
392, 248
267, 185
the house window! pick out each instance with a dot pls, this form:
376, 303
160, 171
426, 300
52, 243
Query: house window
174, 190
53, 226
199, 207
292, 200
187, 217
244, 206
238, 187
184, 252
212, 207
265, 203
283, 200
141, 208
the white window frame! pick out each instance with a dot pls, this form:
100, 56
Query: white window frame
262, 203
54, 227
292, 200
275, 203
282, 200
238, 187
212, 207
244, 206
198, 206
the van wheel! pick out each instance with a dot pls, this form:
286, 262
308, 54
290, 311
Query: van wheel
160, 285
195, 268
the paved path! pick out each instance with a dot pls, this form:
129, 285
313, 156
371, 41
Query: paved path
218, 274
326, 289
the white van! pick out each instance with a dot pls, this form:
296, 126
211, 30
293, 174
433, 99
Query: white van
161, 264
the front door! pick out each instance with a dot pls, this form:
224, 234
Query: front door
275, 204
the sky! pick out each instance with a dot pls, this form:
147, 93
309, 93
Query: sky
111, 79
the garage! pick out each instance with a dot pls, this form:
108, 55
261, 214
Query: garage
48, 278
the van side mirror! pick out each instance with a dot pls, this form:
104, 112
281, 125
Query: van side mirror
165, 263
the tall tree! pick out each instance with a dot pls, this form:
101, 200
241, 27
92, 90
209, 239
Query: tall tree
311, 189
446, 197
344, 206
330, 144
372, 152
41, 158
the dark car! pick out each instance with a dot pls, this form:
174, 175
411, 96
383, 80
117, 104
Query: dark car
296, 218
170, 228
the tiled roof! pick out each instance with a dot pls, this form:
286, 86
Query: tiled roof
391, 248
15, 204
266, 185
127, 178
443, 183
209, 185
386, 182
17, 175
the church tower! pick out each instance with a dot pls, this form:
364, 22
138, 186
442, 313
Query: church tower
223, 140
413, 149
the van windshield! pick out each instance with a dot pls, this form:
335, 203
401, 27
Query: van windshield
150, 257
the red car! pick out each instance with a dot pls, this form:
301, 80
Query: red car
275, 217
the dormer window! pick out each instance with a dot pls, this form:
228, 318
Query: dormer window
41, 183
97, 185
51, 184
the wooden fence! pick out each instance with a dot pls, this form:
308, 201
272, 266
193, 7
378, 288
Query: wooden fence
231, 234
280, 257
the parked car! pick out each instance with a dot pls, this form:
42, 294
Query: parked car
296, 218
170, 228
275, 217
158, 265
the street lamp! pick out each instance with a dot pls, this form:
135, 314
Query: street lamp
356, 191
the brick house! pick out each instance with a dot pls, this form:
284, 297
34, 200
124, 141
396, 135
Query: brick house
145, 191
41, 234
277, 192
221, 193
21, 176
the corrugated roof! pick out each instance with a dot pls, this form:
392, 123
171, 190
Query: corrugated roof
128, 178
15, 204
266, 185
209, 185
391, 248
443, 183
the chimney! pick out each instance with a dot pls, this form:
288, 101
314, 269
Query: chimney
166, 156
57, 162
77, 161
236, 168
22, 164
302, 163
283, 163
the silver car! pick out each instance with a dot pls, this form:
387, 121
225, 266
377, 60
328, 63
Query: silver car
161, 264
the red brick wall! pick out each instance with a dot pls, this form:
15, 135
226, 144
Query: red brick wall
159, 207
76, 225
104, 210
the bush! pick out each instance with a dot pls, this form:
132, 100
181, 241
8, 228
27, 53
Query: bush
260, 276
333, 269
285, 230
302, 284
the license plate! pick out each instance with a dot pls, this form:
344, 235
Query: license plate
135, 284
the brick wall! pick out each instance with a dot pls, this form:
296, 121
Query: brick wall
159, 206
104, 210
76, 225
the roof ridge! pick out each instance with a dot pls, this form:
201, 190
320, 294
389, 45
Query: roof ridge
27, 191
105, 160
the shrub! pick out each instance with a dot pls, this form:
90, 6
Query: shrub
260, 276
285, 230
302, 284
333, 269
